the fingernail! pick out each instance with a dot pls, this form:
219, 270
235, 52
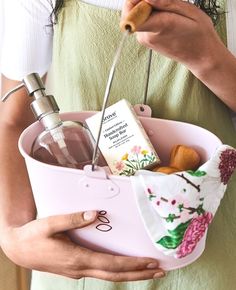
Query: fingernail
89, 215
159, 275
152, 265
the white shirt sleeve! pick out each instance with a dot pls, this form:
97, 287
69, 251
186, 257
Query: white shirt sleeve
27, 38
26, 43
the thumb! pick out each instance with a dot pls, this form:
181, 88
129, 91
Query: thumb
61, 223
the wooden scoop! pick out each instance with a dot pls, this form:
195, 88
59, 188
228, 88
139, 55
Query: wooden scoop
137, 16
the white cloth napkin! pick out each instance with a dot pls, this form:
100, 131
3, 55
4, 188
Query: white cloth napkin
176, 209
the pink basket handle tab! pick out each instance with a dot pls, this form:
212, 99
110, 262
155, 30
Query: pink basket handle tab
97, 183
143, 110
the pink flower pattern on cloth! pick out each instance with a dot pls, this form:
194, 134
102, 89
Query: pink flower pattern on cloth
227, 164
177, 208
193, 234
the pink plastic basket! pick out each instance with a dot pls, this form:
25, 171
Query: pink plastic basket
119, 227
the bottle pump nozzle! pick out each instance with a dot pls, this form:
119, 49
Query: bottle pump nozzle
32, 83
43, 105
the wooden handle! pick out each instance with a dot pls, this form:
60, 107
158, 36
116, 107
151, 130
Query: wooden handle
137, 16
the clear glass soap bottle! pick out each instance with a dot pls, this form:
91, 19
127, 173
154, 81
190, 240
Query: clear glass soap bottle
68, 143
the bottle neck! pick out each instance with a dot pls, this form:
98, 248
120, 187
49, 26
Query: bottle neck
51, 121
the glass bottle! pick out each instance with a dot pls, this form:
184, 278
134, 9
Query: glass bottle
68, 143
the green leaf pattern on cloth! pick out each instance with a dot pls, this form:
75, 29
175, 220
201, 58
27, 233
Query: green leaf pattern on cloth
197, 173
175, 238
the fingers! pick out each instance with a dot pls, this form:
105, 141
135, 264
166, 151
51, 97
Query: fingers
176, 6
114, 268
131, 3
128, 5
112, 263
125, 276
61, 223
161, 22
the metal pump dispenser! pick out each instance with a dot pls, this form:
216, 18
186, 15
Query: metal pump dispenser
44, 107
57, 135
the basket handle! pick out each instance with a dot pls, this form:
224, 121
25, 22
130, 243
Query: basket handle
107, 93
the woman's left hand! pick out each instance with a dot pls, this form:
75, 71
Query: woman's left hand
181, 31
184, 33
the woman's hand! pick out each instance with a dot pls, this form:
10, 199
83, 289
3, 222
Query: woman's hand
43, 245
179, 30
184, 33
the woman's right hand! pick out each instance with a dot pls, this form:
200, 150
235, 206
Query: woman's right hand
43, 245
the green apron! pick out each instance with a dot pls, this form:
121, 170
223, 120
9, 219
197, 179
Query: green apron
85, 41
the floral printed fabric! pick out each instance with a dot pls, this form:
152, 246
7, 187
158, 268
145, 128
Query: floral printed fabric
178, 208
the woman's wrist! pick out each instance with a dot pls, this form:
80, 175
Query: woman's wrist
209, 60
218, 71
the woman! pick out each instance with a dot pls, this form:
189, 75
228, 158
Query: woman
192, 80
